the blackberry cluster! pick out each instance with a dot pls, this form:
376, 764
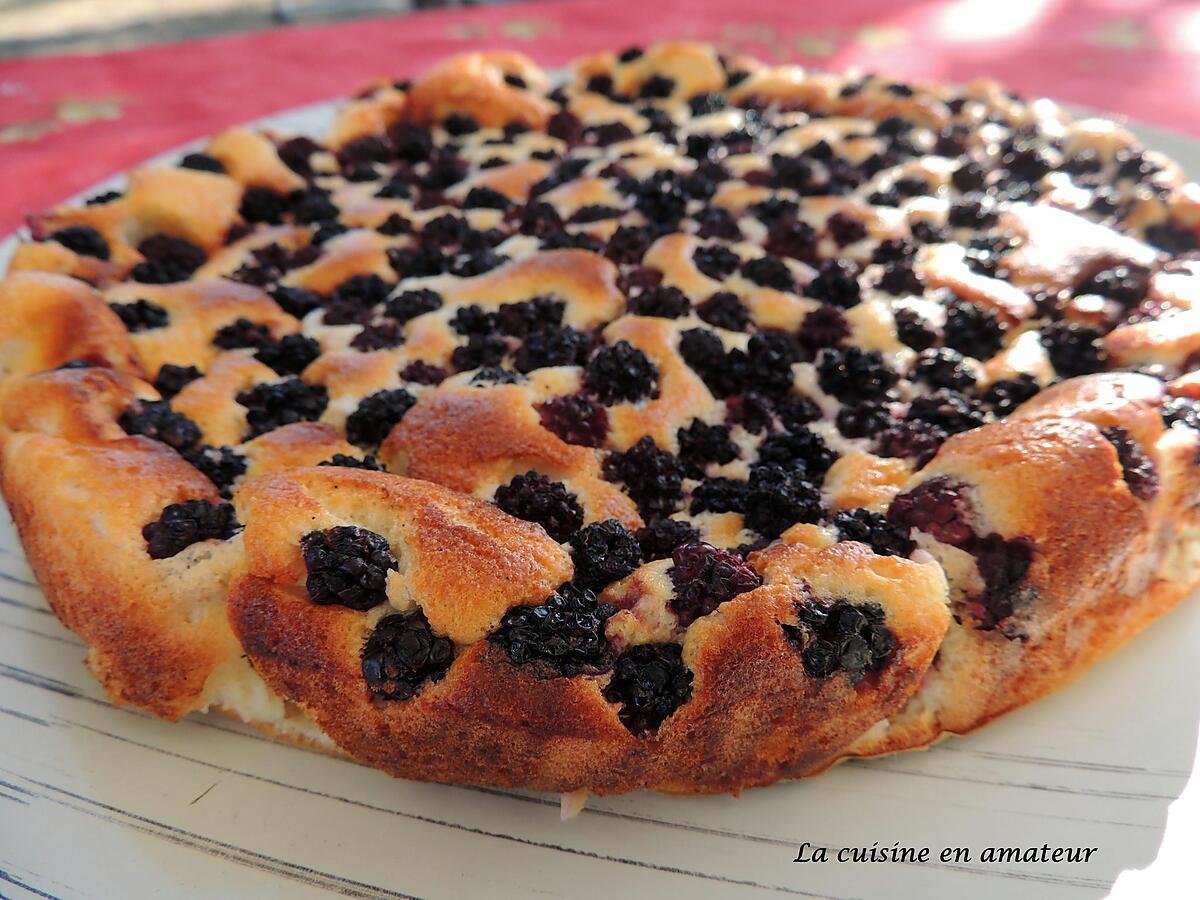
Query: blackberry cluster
725, 310
1182, 410
659, 539
562, 637
378, 336
410, 304
701, 444
939, 507
167, 260
551, 346
769, 272
1074, 349
650, 681
1007, 394
973, 330
347, 566
604, 552
171, 379
912, 439
271, 406
621, 372
1128, 285
220, 465
914, 331
948, 410
242, 333
295, 301
1138, 469
942, 367
716, 261
874, 530
662, 302
835, 283
839, 636
342, 460
535, 498
182, 524
778, 497
377, 414
84, 240
802, 449
825, 326
141, 315
704, 578
854, 375
421, 372
576, 419
653, 477
402, 654
155, 419
899, 278
353, 300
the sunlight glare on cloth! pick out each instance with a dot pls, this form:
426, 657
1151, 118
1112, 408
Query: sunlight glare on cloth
987, 20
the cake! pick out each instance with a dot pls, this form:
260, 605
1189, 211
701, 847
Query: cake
680, 423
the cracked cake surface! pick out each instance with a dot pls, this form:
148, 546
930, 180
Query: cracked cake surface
682, 422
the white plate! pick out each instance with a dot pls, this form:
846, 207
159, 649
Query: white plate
97, 801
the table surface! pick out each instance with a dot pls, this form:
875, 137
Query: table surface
97, 801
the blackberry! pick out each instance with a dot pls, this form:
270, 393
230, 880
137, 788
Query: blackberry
182, 524
769, 272
402, 654
1007, 394
494, 375
486, 198
326, 231
412, 143
845, 229
942, 367
704, 578
1003, 565
458, 124
347, 566
562, 637
641, 278
312, 204
969, 178
629, 244
220, 465
535, 498
778, 498
973, 330
662, 302
421, 372
1074, 349
1172, 238
171, 379
1182, 410
290, 355
480, 351
202, 162
604, 552
269, 406
894, 250
661, 199
342, 460
801, 449
261, 204
379, 336
575, 419
295, 301
659, 540
446, 230
703, 104
863, 420
769, 359
971, 211
928, 233
825, 326
719, 495
795, 411
155, 419
394, 225
141, 315
701, 443
595, 212
84, 240
874, 530
913, 330
714, 222
939, 507
657, 87
650, 681
653, 477
948, 410
417, 262
608, 133
854, 375
564, 240
705, 354
1128, 285
521, 319
241, 333
629, 54
836, 283
913, 439
552, 347
376, 415
103, 198
716, 261
621, 372
838, 636
410, 304
1138, 469
899, 279
725, 310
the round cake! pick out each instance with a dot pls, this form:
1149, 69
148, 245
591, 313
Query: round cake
681, 423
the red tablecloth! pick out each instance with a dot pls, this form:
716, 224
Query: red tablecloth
68, 121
